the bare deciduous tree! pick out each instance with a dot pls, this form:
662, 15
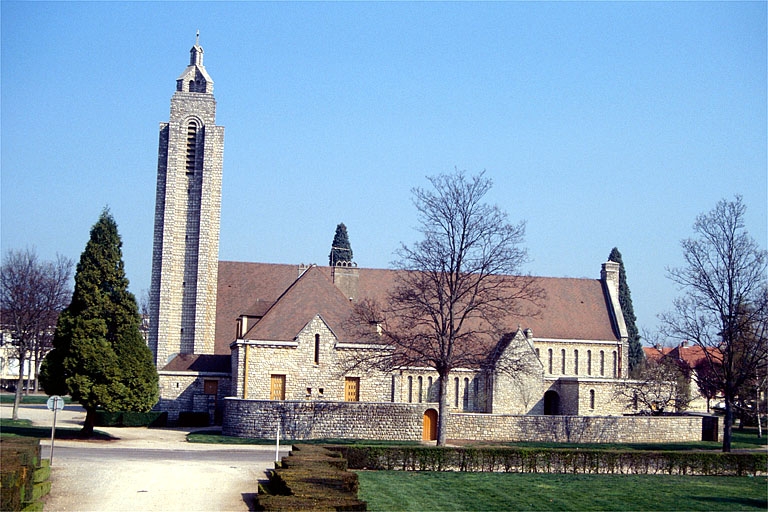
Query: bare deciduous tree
659, 386
456, 289
725, 306
32, 294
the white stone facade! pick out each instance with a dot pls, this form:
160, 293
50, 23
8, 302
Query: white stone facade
187, 218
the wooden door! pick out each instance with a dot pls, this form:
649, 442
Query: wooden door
352, 389
429, 429
211, 387
277, 387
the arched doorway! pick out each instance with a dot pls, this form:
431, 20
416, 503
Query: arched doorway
429, 429
551, 403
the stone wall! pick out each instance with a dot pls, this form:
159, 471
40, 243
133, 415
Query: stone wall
575, 429
319, 420
311, 371
398, 421
186, 392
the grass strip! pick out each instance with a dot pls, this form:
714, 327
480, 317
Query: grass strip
446, 491
24, 428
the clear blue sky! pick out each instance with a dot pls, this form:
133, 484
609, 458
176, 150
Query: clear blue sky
601, 124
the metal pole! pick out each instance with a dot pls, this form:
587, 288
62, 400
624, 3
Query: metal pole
53, 428
277, 444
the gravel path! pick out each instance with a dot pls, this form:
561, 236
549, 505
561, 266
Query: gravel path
147, 469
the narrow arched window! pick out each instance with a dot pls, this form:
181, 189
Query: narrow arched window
410, 389
317, 349
592, 399
602, 363
615, 365
562, 357
191, 147
549, 353
589, 362
421, 392
575, 362
465, 403
456, 394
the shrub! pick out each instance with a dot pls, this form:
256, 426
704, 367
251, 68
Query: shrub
553, 460
311, 478
131, 419
194, 419
22, 482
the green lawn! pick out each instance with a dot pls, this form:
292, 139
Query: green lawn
7, 398
417, 491
24, 428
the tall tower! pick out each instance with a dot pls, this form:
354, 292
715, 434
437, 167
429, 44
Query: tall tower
185, 257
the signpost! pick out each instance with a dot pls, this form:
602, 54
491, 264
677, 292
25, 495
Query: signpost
55, 404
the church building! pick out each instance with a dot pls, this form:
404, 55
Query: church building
238, 340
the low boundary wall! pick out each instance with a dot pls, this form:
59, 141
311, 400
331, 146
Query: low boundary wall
322, 420
398, 421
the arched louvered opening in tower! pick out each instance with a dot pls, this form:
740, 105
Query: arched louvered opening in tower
191, 147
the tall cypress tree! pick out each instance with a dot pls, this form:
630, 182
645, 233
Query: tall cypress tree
341, 250
99, 356
636, 354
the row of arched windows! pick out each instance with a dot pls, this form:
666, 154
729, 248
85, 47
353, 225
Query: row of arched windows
589, 369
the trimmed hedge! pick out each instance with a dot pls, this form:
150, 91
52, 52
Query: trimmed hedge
310, 478
24, 476
552, 460
131, 419
194, 419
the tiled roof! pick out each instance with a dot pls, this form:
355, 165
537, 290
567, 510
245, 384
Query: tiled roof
691, 355
572, 308
312, 294
199, 363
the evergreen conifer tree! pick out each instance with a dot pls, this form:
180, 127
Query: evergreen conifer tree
99, 356
636, 354
341, 250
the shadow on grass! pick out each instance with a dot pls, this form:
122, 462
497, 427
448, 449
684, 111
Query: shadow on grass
20, 429
730, 503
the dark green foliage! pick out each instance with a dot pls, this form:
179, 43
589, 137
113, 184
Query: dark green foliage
23, 477
548, 460
131, 419
311, 478
194, 419
341, 250
636, 354
99, 357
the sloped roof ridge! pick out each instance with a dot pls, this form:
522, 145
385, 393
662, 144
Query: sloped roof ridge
314, 272
384, 269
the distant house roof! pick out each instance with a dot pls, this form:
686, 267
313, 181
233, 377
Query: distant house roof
571, 309
690, 355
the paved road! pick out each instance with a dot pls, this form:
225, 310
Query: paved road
147, 469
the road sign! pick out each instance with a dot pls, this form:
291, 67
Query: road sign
55, 402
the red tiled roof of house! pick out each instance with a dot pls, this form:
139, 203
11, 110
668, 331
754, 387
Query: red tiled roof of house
572, 308
691, 355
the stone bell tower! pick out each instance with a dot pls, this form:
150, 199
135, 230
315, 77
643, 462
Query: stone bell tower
187, 212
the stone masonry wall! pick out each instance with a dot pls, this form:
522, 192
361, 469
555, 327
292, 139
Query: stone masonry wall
308, 376
398, 421
575, 429
318, 420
